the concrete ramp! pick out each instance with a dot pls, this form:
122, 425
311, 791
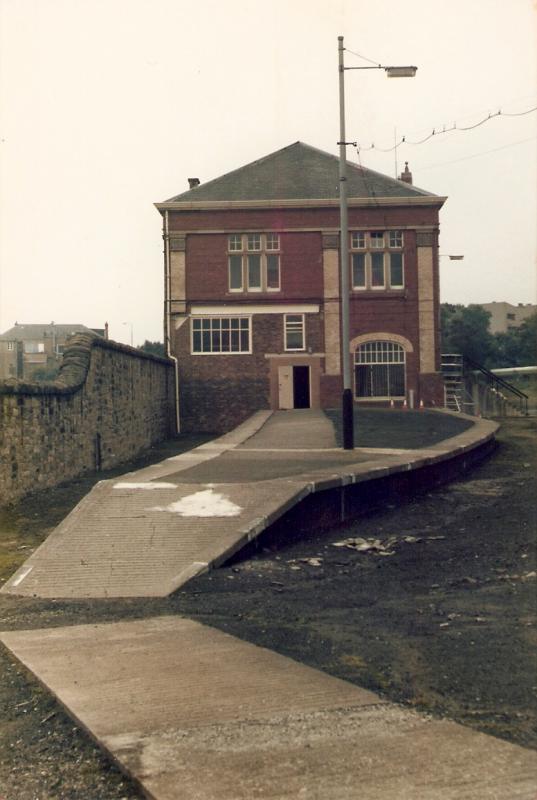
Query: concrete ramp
134, 539
149, 532
193, 713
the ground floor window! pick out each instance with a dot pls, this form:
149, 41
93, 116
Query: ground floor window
294, 330
221, 335
379, 369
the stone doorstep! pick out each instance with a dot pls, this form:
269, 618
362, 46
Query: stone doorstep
187, 710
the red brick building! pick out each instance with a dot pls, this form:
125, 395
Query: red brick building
252, 303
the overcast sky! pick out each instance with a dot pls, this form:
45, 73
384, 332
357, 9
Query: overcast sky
110, 105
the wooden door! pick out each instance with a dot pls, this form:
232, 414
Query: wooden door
285, 387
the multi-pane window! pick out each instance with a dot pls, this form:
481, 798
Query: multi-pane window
377, 260
376, 239
379, 369
294, 332
221, 335
357, 240
254, 262
396, 238
11, 345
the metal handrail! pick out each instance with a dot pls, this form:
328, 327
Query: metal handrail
498, 382
456, 365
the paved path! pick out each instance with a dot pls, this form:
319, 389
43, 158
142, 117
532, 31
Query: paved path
149, 532
193, 713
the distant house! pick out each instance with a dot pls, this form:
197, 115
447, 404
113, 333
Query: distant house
253, 296
505, 316
25, 349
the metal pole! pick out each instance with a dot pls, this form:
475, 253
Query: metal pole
347, 399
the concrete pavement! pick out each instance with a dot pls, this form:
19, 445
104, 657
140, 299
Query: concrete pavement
192, 713
149, 532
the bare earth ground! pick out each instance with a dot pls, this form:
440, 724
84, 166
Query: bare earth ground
443, 624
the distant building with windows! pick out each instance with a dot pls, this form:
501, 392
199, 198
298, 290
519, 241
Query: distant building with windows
505, 316
252, 289
26, 349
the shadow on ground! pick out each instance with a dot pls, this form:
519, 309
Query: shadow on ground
386, 427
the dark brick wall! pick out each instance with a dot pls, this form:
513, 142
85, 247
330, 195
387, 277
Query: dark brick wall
219, 391
315, 218
108, 403
207, 269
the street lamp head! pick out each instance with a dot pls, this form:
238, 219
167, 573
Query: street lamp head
400, 72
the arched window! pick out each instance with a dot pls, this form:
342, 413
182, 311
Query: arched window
379, 370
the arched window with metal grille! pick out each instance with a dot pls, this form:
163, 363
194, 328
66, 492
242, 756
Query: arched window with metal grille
379, 370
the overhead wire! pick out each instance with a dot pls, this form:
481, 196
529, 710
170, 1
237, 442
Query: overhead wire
476, 155
445, 130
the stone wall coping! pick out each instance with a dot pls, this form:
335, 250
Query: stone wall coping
74, 368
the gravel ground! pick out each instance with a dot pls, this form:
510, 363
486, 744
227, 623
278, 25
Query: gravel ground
432, 605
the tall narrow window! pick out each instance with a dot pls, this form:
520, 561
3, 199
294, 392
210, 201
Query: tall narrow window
358, 271
396, 270
294, 333
235, 273
273, 272
377, 271
254, 273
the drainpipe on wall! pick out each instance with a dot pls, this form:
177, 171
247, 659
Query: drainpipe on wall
167, 318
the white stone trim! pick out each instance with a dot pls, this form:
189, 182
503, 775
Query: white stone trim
405, 343
372, 202
306, 229
242, 310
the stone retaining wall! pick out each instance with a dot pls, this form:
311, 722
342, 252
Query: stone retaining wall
108, 402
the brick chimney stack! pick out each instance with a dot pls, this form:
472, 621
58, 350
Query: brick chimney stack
406, 176
192, 182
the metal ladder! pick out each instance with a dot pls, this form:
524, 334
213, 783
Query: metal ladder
452, 369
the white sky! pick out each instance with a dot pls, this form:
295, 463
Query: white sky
110, 105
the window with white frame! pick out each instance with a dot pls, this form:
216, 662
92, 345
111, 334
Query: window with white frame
376, 240
294, 332
254, 262
11, 345
221, 335
379, 370
377, 260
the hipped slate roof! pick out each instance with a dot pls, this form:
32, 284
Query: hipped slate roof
298, 172
32, 332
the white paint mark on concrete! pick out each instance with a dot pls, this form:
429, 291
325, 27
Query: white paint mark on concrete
207, 503
155, 485
25, 572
